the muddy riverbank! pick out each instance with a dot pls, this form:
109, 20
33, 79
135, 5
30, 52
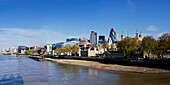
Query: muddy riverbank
113, 67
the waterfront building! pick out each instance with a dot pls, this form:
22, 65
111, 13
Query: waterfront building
63, 44
22, 49
90, 51
93, 38
51, 47
86, 50
101, 40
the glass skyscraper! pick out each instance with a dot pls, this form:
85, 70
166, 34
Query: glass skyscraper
113, 35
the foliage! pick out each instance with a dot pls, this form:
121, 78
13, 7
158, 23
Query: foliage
67, 49
58, 50
74, 48
163, 43
129, 45
149, 44
30, 51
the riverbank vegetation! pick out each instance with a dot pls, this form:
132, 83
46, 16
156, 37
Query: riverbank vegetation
68, 50
133, 46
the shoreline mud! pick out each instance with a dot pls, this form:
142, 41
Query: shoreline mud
111, 67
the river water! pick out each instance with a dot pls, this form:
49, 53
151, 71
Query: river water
25, 71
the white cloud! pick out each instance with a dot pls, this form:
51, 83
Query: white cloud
18, 36
152, 28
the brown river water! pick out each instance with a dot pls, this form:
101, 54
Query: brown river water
25, 71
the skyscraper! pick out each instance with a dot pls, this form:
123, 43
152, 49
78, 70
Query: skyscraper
93, 38
101, 40
113, 35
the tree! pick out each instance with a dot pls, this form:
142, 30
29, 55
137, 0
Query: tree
58, 51
74, 49
129, 46
105, 46
67, 49
149, 44
35, 51
163, 43
28, 51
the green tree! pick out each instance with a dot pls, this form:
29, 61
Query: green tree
30, 51
129, 46
163, 43
58, 51
35, 51
149, 44
105, 46
74, 49
67, 49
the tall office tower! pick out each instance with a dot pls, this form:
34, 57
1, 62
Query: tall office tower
101, 40
93, 38
113, 35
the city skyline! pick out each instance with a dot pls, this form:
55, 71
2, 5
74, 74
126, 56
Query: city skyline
38, 22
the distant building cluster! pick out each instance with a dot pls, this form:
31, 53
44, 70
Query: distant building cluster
87, 47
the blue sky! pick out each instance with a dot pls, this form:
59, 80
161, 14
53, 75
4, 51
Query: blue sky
38, 22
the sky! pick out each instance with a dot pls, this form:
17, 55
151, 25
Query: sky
40, 22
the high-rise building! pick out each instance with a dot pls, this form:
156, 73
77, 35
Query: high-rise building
101, 40
93, 38
113, 35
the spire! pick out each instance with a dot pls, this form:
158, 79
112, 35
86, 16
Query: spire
137, 33
127, 34
122, 36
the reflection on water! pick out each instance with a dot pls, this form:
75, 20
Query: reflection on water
32, 72
144, 79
